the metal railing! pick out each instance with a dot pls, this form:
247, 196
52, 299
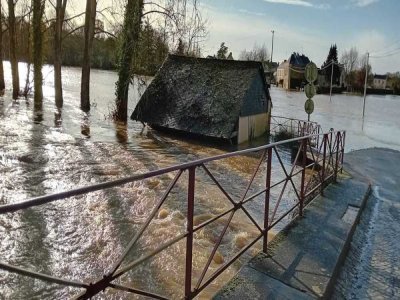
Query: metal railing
315, 167
294, 127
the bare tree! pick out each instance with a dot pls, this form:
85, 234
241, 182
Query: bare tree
350, 60
38, 10
194, 30
13, 54
2, 83
90, 20
24, 17
258, 53
60, 8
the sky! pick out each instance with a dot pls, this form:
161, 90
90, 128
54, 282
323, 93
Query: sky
307, 26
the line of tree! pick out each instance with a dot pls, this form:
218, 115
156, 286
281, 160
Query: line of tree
394, 82
355, 68
148, 31
258, 53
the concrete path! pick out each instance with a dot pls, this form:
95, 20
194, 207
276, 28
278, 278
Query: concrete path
303, 259
372, 268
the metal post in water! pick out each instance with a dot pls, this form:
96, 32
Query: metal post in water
330, 97
365, 85
272, 51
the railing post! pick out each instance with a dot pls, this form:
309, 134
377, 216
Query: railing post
298, 129
338, 142
189, 239
267, 197
331, 147
324, 141
291, 127
303, 175
343, 143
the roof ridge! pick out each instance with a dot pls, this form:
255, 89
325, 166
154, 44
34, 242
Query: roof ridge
228, 61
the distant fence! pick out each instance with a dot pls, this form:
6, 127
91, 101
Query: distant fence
322, 164
284, 128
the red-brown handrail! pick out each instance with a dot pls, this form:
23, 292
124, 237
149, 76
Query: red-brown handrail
324, 162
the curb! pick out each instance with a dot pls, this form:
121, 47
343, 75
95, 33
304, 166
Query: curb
346, 247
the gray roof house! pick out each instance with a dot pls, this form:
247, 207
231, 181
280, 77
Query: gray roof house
224, 99
290, 73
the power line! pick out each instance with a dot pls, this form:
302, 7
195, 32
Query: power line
388, 53
330, 63
385, 48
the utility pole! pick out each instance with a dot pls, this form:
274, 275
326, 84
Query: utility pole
272, 50
365, 85
330, 97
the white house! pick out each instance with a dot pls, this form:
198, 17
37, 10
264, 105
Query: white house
380, 82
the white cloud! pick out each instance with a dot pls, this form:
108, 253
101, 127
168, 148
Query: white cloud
291, 2
248, 12
302, 3
363, 3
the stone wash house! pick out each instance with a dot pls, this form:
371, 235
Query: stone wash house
222, 99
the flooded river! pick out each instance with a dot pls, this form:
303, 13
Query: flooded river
380, 127
81, 237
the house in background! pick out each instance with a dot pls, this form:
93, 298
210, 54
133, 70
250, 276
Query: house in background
223, 99
380, 82
290, 73
282, 75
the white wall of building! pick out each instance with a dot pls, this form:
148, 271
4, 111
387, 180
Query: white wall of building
251, 127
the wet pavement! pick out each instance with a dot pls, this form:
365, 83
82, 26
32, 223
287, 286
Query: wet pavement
303, 260
372, 267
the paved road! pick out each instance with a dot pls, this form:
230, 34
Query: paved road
372, 268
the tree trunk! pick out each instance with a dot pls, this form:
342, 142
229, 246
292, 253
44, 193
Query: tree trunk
90, 19
130, 36
13, 54
2, 84
38, 8
60, 12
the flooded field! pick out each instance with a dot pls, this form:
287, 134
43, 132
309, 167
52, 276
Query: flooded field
380, 128
82, 237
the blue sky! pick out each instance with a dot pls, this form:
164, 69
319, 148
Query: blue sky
307, 26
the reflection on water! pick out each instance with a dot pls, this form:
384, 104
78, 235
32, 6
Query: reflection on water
80, 238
